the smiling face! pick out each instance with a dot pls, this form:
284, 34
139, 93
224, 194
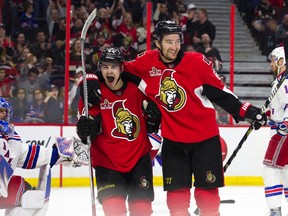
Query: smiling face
111, 72
170, 46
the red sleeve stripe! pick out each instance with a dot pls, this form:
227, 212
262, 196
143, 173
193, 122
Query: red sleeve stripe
243, 109
32, 156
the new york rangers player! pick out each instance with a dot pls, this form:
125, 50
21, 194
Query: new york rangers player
275, 173
16, 195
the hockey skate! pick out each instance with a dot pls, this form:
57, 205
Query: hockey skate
275, 212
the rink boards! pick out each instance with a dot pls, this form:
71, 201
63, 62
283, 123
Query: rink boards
245, 169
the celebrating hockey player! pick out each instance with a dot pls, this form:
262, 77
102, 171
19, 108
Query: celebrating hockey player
120, 149
183, 85
275, 173
16, 195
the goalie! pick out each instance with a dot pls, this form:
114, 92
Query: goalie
16, 195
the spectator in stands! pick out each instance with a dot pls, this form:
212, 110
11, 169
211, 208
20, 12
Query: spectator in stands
29, 83
191, 18
52, 21
142, 36
103, 22
282, 30
75, 56
212, 53
126, 27
76, 29
28, 23
5, 41
53, 106
98, 45
36, 108
269, 35
263, 12
41, 48
58, 43
20, 105
161, 12
6, 83
40, 9
201, 26
19, 45
189, 48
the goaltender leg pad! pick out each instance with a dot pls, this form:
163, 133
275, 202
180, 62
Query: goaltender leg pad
16, 188
5, 175
72, 151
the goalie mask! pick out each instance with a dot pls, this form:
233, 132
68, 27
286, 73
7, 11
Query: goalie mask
167, 27
5, 127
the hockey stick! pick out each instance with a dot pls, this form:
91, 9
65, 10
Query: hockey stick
229, 201
263, 110
82, 38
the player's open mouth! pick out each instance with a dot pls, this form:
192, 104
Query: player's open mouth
110, 79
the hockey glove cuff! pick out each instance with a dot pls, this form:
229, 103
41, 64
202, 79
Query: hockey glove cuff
93, 89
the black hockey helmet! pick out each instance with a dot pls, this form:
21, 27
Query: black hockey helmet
166, 27
111, 54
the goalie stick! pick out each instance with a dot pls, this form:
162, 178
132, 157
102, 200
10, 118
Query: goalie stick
85, 99
263, 110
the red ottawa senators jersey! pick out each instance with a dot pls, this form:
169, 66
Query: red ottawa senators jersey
187, 115
124, 138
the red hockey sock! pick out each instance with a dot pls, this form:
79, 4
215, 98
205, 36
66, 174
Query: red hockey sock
114, 206
178, 202
140, 207
208, 201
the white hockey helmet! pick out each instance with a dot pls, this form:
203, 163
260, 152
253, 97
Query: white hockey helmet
278, 53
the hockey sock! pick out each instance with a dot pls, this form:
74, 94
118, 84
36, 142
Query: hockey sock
208, 201
114, 205
178, 202
140, 207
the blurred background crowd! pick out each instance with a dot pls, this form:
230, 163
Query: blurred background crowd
33, 44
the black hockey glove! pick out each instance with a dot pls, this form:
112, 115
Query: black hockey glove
255, 117
88, 127
152, 116
93, 89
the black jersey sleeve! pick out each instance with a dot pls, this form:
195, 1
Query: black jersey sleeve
229, 102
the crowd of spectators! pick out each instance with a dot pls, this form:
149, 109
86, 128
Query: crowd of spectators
33, 42
268, 21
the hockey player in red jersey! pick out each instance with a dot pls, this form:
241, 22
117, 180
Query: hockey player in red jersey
275, 173
120, 144
183, 85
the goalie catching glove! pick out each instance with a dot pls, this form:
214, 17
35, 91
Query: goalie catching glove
253, 115
152, 115
93, 89
72, 152
90, 126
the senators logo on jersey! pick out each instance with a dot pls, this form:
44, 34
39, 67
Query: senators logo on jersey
127, 124
171, 96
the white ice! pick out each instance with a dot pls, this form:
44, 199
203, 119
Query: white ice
76, 201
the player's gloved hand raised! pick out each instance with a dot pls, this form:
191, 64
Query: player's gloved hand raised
90, 126
93, 89
152, 115
282, 128
256, 117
